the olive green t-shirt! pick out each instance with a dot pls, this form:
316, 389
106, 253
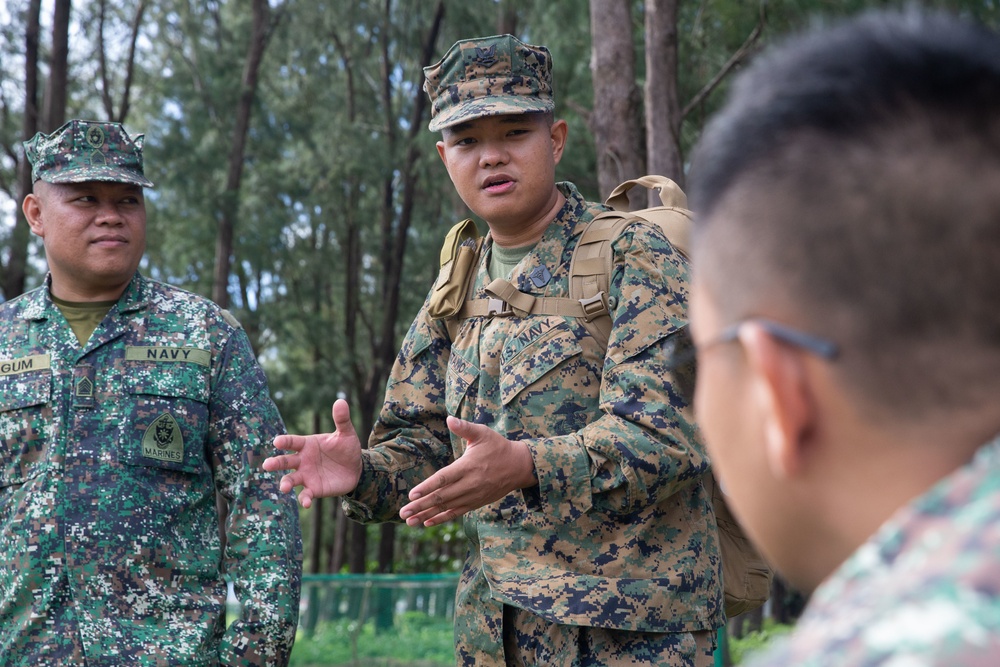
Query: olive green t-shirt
83, 317
503, 260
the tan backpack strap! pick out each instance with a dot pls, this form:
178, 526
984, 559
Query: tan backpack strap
506, 300
670, 193
590, 271
590, 274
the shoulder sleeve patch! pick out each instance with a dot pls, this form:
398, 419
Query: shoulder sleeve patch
229, 317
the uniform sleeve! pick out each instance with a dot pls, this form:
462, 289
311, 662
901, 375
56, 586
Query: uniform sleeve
410, 440
263, 554
644, 446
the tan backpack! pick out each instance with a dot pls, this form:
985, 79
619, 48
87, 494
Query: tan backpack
746, 577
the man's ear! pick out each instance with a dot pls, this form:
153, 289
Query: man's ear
780, 386
440, 147
32, 208
558, 132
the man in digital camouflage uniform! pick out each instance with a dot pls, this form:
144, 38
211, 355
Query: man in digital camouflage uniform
846, 312
577, 471
126, 405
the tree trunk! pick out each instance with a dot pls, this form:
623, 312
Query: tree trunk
230, 198
106, 86
386, 547
316, 543
338, 550
616, 120
755, 619
506, 18
663, 112
130, 65
55, 91
779, 608
14, 272
736, 626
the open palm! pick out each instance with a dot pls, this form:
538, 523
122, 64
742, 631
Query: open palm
324, 464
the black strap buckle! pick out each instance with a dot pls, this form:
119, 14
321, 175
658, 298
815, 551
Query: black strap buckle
498, 308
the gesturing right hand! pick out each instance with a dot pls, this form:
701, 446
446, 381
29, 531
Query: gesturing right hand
326, 464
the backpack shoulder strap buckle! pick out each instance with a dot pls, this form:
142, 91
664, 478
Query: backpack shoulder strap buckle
498, 308
594, 306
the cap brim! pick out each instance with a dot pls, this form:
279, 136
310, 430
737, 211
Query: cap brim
488, 106
99, 174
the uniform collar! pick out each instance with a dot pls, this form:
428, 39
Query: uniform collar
38, 302
550, 256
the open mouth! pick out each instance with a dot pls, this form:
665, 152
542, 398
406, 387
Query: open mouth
497, 183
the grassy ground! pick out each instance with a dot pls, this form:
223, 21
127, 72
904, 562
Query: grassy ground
417, 640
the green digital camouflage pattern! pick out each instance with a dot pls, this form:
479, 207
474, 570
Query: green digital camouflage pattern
111, 457
924, 591
488, 76
619, 532
87, 150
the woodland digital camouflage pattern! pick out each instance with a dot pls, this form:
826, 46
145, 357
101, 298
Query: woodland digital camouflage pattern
619, 532
922, 592
111, 455
539, 642
490, 76
87, 150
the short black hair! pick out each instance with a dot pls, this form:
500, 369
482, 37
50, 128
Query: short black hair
854, 179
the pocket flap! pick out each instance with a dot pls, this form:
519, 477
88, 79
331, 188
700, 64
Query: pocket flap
536, 359
178, 380
25, 389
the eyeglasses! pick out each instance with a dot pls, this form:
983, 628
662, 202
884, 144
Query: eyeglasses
682, 358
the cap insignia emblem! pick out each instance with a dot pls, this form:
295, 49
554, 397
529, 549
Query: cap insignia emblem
95, 136
486, 57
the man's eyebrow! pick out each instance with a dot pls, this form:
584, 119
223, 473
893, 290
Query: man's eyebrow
514, 119
506, 119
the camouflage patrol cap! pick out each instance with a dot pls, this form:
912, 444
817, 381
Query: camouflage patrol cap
87, 150
488, 76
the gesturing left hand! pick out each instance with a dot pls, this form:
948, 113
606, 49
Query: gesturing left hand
491, 467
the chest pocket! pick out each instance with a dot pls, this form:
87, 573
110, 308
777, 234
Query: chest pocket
25, 425
462, 376
166, 421
546, 362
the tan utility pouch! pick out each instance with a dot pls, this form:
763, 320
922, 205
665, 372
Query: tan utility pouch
458, 266
746, 577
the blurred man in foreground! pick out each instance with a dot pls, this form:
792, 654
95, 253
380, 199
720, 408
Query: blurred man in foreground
846, 313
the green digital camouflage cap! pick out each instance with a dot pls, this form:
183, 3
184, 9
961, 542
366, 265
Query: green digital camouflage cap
87, 150
488, 76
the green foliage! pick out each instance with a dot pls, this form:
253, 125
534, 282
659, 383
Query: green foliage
326, 153
439, 548
741, 649
415, 639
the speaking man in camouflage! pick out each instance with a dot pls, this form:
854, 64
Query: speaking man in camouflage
125, 406
846, 312
577, 470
